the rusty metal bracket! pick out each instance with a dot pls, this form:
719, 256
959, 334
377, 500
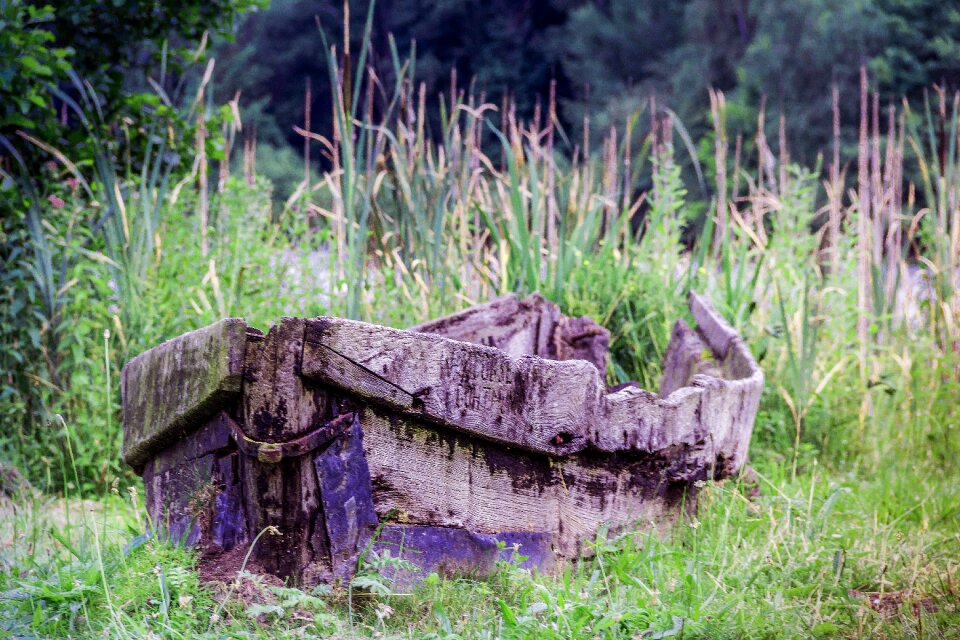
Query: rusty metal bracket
274, 452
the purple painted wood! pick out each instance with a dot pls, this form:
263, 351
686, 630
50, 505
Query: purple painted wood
178, 510
229, 526
452, 551
347, 499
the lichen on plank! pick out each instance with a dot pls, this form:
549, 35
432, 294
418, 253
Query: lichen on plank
172, 388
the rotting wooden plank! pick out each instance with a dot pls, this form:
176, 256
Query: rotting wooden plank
228, 528
471, 483
580, 339
278, 405
451, 552
485, 488
461, 441
558, 408
682, 359
191, 488
178, 498
532, 326
716, 331
212, 437
529, 402
170, 389
516, 327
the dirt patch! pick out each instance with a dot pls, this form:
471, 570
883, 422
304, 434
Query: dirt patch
225, 566
889, 603
233, 579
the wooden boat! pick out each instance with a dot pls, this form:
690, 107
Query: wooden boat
451, 444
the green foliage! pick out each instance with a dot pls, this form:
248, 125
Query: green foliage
282, 167
82, 241
613, 55
50, 274
499, 42
111, 42
46, 48
921, 45
100, 568
30, 65
798, 50
635, 289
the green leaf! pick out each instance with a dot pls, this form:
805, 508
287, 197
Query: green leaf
508, 615
257, 610
32, 65
17, 120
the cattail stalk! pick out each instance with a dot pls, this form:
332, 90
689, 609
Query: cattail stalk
347, 64
863, 227
552, 209
720, 144
784, 154
876, 187
836, 189
307, 102
202, 164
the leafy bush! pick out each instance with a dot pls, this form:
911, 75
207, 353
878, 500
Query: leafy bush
31, 67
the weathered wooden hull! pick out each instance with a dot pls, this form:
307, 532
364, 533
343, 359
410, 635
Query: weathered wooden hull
491, 424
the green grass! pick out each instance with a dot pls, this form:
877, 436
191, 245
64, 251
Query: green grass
797, 560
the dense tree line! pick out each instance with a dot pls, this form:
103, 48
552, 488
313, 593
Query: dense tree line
608, 56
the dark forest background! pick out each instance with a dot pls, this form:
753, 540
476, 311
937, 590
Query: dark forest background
607, 57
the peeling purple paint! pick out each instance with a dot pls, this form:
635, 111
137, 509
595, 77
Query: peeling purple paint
229, 526
452, 551
347, 499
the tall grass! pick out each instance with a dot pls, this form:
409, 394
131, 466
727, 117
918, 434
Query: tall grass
414, 217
